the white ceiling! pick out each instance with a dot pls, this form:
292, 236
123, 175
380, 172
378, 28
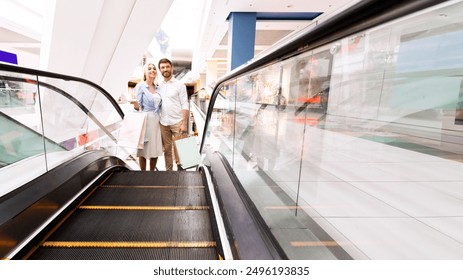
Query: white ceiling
197, 29
213, 37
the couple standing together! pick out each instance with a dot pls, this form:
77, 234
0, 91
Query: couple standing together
166, 108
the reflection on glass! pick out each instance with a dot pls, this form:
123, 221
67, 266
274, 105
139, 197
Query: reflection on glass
330, 142
46, 121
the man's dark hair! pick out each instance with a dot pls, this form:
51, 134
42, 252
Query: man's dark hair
164, 60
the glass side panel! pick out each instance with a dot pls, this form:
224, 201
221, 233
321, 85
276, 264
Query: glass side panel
78, 115
21, 135
356, 145
89, 97
221, 126
46, 121
21, 138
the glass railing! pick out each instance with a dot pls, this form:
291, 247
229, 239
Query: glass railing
47, 119
345, 136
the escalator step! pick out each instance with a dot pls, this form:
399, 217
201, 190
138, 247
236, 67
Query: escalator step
157, 178
124, 244
153, 208
138, 215
125, 254
141, 225
147, 195
116, 234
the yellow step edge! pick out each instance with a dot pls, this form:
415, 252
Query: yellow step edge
151, 208
135, 244
153, 187
7, 242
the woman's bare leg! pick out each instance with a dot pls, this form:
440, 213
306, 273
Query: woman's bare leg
153, 162
142, 162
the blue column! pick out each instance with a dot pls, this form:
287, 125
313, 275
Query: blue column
241, 38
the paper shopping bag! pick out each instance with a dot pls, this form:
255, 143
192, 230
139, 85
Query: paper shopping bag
188, 152
132, 132
141, 139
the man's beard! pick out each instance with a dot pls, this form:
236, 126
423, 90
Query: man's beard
166, 74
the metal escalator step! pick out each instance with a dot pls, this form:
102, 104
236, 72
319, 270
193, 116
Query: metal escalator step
138, 216
148, 196
122, 235
133, 244
152, 187
125, 254
157, 178
138, 226
152, 208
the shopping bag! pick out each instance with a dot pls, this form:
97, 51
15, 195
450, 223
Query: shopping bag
141, 139
132, 132
188, 152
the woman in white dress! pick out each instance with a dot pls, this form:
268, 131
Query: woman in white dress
149, 101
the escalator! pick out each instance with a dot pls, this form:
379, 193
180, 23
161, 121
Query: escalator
137, 215
95, 207
74, 197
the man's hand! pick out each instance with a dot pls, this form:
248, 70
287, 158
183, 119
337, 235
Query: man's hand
184, 128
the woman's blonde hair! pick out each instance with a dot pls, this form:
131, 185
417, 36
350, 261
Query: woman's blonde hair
145, 67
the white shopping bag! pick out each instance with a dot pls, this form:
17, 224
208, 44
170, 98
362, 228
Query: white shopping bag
132, 132
188, 152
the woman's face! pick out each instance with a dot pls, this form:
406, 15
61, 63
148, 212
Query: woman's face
150, 71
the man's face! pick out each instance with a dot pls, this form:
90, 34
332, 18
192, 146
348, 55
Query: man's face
166, 70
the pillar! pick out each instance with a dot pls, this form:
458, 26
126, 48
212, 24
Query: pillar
241, 38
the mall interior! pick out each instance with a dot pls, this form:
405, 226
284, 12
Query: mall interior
321, 130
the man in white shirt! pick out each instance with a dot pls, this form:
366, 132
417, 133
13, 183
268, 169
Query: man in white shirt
174, 111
